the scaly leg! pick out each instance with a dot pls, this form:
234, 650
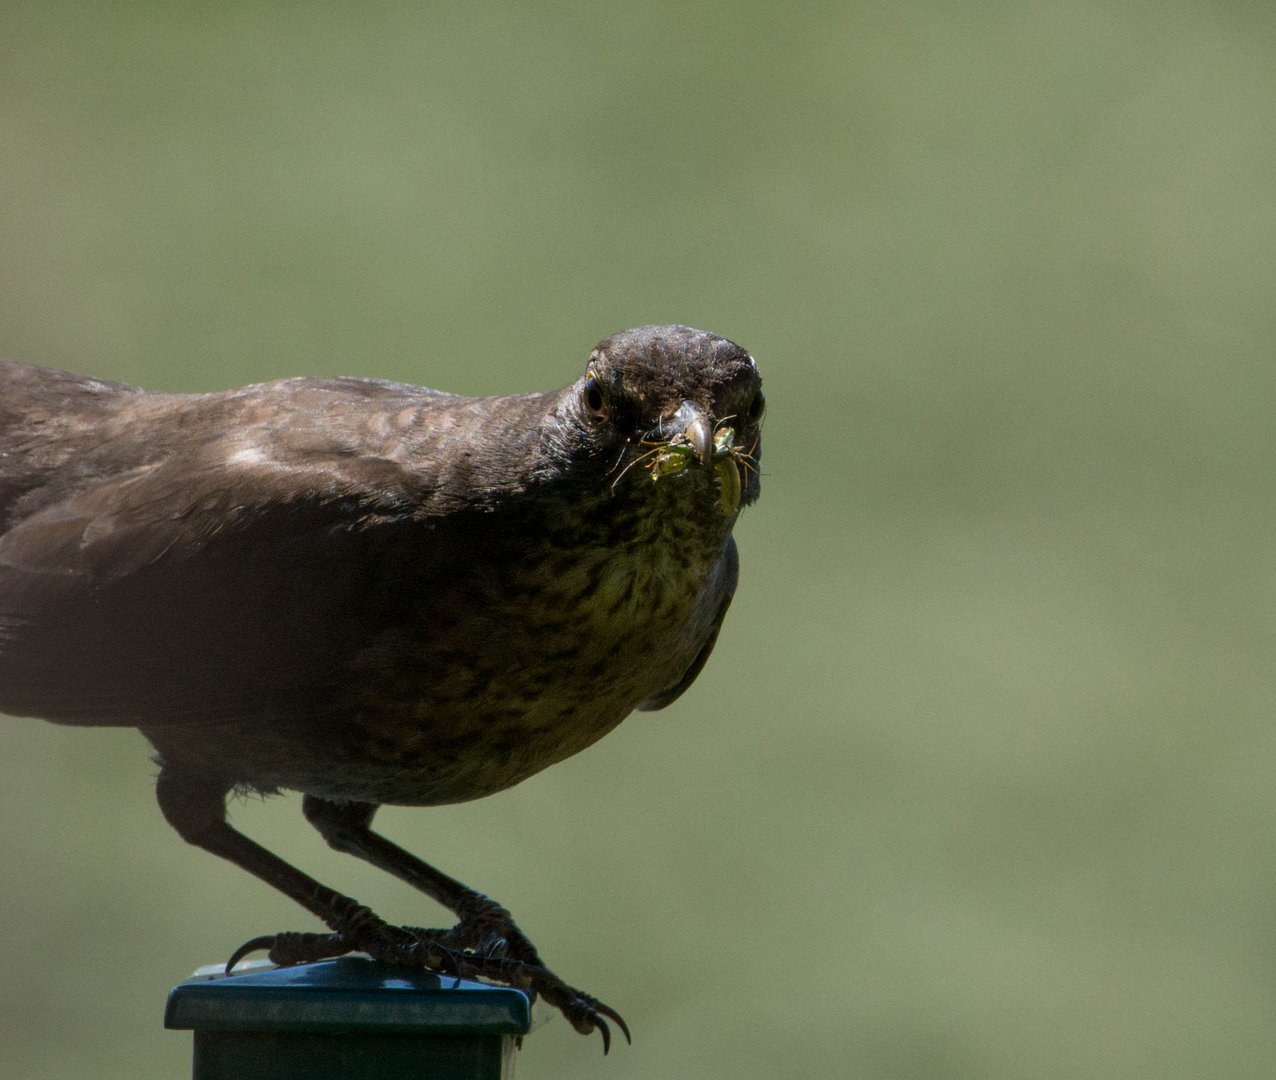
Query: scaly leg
484, 928
196, 807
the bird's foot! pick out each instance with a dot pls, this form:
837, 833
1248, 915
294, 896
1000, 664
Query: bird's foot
486, 928
493, 950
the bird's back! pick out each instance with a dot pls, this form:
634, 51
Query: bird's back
48, 420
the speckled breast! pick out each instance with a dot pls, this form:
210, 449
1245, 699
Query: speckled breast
567, 648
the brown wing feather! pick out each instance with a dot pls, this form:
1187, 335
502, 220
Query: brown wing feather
181, 615
157, 579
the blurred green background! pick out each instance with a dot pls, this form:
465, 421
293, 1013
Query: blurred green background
979, 781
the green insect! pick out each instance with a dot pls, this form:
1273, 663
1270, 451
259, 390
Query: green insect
676, 455
671, 460
728, 484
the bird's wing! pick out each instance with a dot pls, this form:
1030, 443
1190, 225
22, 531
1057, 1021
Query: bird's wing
190, 590
730, 575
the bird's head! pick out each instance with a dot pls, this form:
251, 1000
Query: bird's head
673, 407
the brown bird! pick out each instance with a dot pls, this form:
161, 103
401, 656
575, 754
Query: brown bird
373, 593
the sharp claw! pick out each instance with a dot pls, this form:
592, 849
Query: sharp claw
604, 1031
620, 1023
448, 964
263, 942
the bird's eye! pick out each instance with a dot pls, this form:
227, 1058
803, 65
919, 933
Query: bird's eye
757, 407
595, 402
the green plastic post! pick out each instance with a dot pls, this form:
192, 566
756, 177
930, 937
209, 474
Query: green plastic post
351, 1018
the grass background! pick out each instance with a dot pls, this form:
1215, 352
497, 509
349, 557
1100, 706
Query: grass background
979, 781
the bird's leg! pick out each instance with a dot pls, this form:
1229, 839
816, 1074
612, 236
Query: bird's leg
486, 937
484, 926
196, 807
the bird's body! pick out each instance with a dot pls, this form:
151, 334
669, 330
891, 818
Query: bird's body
365, 591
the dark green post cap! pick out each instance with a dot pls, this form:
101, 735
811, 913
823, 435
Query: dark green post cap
352, 1018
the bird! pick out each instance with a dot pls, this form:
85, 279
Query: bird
373, 593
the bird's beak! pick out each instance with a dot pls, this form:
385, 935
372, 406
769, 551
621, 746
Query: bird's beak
695, 436
698, 430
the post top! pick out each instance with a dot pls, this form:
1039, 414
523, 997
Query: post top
348, 994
